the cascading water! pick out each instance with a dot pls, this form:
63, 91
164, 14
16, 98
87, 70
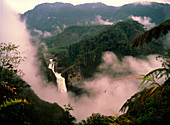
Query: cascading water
60, 80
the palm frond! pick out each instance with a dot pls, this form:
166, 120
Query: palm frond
155, 32
157, 73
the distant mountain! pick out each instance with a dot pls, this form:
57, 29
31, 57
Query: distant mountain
50, 16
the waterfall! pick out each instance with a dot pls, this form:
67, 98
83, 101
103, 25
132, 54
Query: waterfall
60, 80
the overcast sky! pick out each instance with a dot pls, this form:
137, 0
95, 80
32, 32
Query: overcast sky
22, 6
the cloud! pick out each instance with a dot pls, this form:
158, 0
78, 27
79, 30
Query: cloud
146, 21
111, 88
14, 31
166, 41
40, 33
47, 34
143, 3
108, 91
98, 20
24, 5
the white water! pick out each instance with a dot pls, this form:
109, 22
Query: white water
60, 80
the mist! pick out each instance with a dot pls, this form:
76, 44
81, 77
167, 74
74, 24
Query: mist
166, 42
98, 20
108, 90
146, 21
116, 83
14, 31
143, 3
40, 33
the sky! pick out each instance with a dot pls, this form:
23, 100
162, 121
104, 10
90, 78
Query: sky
22, 6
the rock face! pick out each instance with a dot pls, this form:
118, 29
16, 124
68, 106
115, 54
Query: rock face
72, 75
52, 76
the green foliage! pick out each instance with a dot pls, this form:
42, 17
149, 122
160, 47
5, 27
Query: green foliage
19, 104
70, 119
10, 78
57, 51
147, 107
15, 112
13, 102
57, 44
98, 119
42, 65
9, 56
117, 38
156, 74
165, 60
11, 107
48, 16
155, 32
151, 105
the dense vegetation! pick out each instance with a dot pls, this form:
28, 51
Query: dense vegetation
149, 106
58, 44
84, 46
118, 39
155, 32
49, 16
18, 103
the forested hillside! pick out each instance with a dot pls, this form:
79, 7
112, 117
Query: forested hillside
75, 40
50, 16
151, 105
57, 44
118, 39
18, 103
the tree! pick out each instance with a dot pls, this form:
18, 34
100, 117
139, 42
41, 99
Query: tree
10, 57
151, 106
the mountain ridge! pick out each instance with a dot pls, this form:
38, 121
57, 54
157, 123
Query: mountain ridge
49, 16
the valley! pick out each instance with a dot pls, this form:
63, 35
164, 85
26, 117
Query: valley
86, 64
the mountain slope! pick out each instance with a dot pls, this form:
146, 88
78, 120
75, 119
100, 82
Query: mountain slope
49, 16
20, 105
86, 56
71, 35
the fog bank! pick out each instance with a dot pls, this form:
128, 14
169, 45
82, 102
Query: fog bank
109, 89
146, 21
98, 20
116, 83
14, 31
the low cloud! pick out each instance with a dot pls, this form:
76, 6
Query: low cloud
166, 42
116, 83
143, 3
146, 21
98, 20
14, 31
40, 33
108, 91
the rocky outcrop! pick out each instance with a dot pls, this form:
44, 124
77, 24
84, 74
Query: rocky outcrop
72, 75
